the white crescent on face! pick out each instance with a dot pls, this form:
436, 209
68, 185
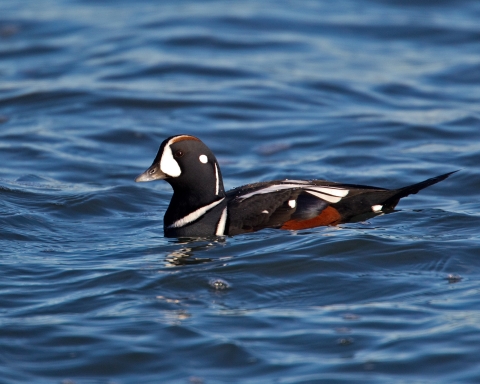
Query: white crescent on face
168, 164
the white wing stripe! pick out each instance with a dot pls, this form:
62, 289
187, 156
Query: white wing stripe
221, 223
271, 188
194, 215
331, 191
321, 190
296, 181
330, 199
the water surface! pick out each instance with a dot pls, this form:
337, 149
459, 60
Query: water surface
379, 92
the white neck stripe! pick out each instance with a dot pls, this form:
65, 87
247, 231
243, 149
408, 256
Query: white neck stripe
195, 215
217, 180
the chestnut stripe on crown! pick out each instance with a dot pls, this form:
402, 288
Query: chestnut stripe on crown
176, 139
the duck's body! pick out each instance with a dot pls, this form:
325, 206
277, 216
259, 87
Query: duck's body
200, 207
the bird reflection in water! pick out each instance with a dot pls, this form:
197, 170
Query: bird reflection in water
186, 254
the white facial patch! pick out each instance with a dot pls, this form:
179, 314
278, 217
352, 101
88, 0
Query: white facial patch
292, 203
168, 164
377, 208
265, 211
203, 159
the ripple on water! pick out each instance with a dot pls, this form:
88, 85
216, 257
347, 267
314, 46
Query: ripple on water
380, 93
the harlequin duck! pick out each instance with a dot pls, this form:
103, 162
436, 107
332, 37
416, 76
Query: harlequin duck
200, 207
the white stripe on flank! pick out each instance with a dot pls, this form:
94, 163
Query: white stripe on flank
217, 180
330, 192
221, 223
330, 199
194, 215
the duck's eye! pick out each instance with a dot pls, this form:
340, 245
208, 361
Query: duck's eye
152, 171
178, 153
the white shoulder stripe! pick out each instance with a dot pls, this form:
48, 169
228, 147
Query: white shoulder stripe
194, 215
221, 223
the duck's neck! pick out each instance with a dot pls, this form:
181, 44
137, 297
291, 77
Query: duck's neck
190, 196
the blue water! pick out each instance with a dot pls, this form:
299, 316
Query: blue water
375, 92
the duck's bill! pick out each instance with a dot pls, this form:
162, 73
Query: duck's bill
152, 173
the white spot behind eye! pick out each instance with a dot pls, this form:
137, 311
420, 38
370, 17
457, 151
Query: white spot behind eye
292, 203
168, 164
203, 159
377, 208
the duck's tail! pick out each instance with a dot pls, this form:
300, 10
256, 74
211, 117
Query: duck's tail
391, 202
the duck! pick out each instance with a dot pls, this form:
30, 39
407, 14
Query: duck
200, 206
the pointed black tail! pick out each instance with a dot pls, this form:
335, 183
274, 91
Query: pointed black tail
412, 189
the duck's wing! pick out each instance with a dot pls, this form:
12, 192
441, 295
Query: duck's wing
301, 204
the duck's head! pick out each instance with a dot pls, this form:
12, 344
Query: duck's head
186, 163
